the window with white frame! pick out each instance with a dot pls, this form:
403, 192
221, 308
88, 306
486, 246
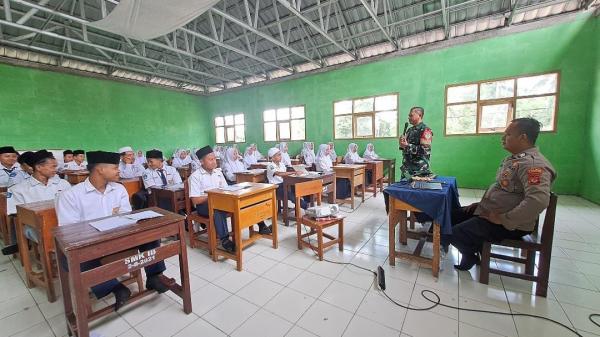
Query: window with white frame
287, 123
230, 129
367, 117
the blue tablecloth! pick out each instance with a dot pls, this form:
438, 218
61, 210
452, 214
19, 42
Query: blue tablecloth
437, 204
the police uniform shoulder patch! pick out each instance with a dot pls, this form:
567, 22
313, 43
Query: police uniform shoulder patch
426, 136
534, 175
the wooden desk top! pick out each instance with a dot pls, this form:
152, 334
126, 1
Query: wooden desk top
130, 180
249, 189
82, 234
77, 173
306, 177
253, 172
171, 188
349, 166
38, 206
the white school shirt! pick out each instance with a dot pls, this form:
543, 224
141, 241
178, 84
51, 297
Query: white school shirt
230, 168
73, 166
272, 168
12, 176
130, 170
152, 177
32, 190
324, 164
201, 181
285, 159
84, 202
178, 162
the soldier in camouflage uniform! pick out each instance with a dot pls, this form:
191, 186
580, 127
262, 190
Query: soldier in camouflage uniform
416, 146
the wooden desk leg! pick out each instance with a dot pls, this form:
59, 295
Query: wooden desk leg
238, 240
184, 272
403, 228
332, 194
364, 186
286, 221
435, 264
24, 253
213, 233
352, 190
392, 222
81, 297
66, 289
46, 269
274, 226
374, 178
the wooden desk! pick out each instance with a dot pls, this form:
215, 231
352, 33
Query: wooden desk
389, 165
255, 203
253, 176
41, 217
291, 180
132, 185
176, 197
81, 242
185, 171
4, 228
376, 169
357, 177
397, 214
260, 165
76, 177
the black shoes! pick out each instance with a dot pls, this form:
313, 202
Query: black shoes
468, 261
10, 250
154, 283
228, 245
263, 229
122, 294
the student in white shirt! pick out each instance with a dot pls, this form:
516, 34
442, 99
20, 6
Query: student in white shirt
181, 158
275, 172
78, 163
9, 168
67, 158
332, 153
370, 153
25, 161
210, 177
285, 156
127, 166
99, 196
308, 153
158, 173
140, 159
195, 160
249, 157
232, 164
43, 184
352, 157
324, 163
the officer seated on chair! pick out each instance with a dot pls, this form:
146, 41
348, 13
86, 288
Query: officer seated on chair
511, 205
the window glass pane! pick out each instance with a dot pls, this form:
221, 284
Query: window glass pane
537, 85
230, 134
283, 114
461, 119
298, 129
239, 119
364, 126
463, 93
343, 127
240, 136
386, 124
220, 135
298, 112
363, 105
270, 131
229, 120
540, 108
498, 89
389, 102
284, 130
219, 121
342, 108
494, 117
269, 115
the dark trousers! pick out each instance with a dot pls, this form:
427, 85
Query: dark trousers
140, 200
291, 197
104, 288
471, 231
342, 188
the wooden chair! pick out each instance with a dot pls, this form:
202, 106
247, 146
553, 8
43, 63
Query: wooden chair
5, 229
315, 188
529, 244
197, 239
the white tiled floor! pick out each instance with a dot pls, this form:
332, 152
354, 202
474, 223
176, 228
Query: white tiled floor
287, 292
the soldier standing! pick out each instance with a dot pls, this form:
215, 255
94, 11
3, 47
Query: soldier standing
415, 144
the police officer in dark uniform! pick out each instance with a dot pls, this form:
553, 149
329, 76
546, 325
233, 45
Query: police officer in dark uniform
415, 144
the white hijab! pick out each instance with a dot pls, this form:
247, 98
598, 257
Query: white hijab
256, 153
308, 154
178, 162
352, 157
285, 156
140, 160
249, 157
195, 161
370, 152
323, 161
232, 164
332, 155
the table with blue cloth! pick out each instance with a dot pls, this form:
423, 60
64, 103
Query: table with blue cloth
436, 205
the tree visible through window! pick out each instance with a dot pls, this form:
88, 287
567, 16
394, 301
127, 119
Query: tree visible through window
230, 129
368, 117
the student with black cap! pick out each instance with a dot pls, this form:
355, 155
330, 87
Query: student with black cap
158, 173
9, 168
24, 161
43, 184
207, 177
67, 158
78, 163
101, 195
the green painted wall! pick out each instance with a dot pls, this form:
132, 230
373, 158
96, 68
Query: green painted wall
590, 185
44, 109
421, 79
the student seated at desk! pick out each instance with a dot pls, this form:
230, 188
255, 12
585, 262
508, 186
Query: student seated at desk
195, 161
43, 184
308, 153
275, 171
67, 158
325, 164
370, 153
78, 163
232, 165
10, 170
24, 161
101, 195
181, 158
140, 159
285, 156
206, 178
127, 166
352, 157
157, 174
332, 153
249, 157
257, 153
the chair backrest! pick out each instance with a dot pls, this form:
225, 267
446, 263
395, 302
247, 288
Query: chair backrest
549, 218
312, 187
186, 193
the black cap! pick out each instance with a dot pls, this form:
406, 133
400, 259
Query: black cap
66, 152
156, 154
40, 156
102, 157
7, 149
204, 151
76, 152
26, 158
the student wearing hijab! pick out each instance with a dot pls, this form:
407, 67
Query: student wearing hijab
332, 153
308, 153
181, 158
352, 157
67, 158
195, 161
140, 159
9, 168
370, 153
127, 166
78, 163
249, 157
257, 153
232, 165
285, 156
324, 163
101, 195
275, 172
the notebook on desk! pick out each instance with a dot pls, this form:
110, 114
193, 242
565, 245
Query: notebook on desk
422, 185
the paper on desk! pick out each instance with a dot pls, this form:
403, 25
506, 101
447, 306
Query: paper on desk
112, 223
233, 188
143, 215
174, 187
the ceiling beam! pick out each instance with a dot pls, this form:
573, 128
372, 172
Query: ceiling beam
373, 14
